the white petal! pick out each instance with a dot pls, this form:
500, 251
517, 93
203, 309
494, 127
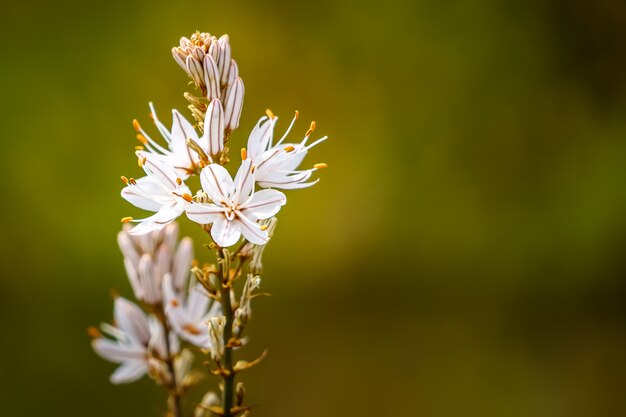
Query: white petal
159, 220
197, 303
127, 246
264, 204
217, 182
260, 137
129, 372
225, 233
164, 174
117, 352
133, 277
182, 262
146, 194
251, 230
131, 319
194, 69
214, 128
157, 337
204, 213
244, 182
181, 131
150, 282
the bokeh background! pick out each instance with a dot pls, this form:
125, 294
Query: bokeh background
464, 254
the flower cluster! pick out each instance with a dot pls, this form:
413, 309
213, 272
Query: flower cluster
185, 307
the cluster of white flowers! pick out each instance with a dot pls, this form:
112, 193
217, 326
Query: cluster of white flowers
183, 305
158, 268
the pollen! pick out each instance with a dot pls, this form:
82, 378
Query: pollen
187, 198
94, 333
321, 165
244, 154
270, 114
289, 148
136, 125
124, 179
141, 138
264, 227
174, 303
126, 219
179, 181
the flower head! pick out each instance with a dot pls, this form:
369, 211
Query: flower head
137, 342
178, 153
276, 165
189, 316
235, 207
149, 257
161, 191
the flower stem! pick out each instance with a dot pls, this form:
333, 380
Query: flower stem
173, 389
229, 374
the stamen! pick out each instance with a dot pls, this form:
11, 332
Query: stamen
297, 114
174, 303
126, 219
311, 129
139, 148
321, 165
124, 180
141, 138
244, 154
94, 333
132, 181
252, 169
136, 125
264, 227
179, 181
270, 114
289, 148
187, 198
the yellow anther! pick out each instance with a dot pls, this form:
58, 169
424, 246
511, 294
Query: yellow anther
244, 154
124, 179
311, 129
289, 148
320, 166
187, 198
253, 169
136, 125
141, 138
191, 329
297, 114
264, 227
179, 181
270, 114
126, 219
139, 148
201, 164
132, 181
94, 333
174, 303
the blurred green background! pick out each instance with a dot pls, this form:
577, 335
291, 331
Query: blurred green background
464, 254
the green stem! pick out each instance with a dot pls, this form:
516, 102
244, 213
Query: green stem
229, 374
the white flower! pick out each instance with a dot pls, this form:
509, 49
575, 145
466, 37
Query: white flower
137, 342
148, 257
276, 165
189, 316
235, 207
161, 191
178, 154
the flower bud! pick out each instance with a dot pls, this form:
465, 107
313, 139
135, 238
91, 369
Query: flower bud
233, 104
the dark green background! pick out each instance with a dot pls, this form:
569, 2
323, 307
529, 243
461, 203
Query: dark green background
464, 254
